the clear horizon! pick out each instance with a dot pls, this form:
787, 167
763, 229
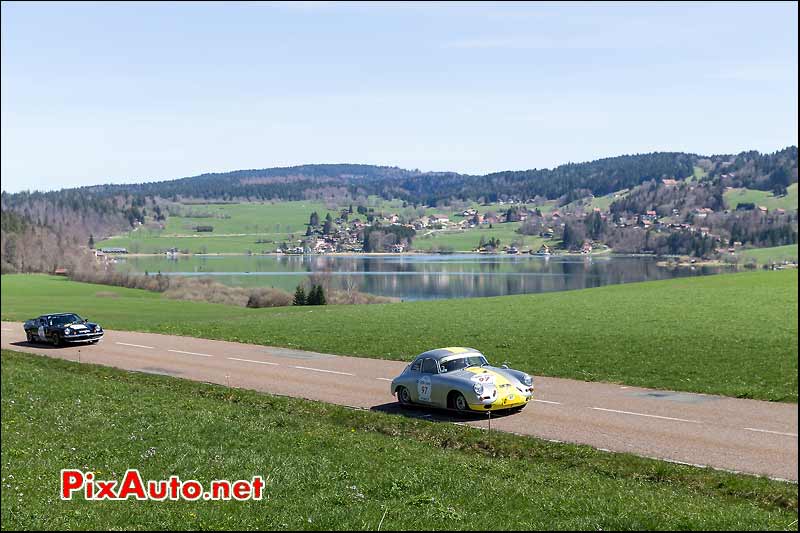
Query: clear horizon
133, 92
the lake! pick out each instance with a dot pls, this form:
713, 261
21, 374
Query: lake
419, 277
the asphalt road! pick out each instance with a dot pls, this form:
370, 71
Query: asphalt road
740, 435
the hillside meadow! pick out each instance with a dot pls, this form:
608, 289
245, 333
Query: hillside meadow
731, 334
734, 197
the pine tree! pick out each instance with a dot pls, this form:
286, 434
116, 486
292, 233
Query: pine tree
311, 298
91, 242
300, 296
321, 296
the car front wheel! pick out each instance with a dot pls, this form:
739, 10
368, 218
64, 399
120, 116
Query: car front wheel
55, 340
403, 396
460, 403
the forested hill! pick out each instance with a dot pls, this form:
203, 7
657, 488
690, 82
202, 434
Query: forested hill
293, 183
568, 181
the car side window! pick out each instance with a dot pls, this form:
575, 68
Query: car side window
416, 366
429, 367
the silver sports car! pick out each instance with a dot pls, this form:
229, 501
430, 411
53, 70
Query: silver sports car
461, 379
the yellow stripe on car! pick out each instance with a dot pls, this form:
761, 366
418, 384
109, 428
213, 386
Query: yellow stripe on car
457, 349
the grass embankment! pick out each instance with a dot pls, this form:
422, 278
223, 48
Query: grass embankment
732, 334
329, 467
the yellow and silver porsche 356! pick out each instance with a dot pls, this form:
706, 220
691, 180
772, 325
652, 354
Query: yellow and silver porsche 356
461, 379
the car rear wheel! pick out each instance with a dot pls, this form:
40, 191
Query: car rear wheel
29, 336
460, 403
403, 396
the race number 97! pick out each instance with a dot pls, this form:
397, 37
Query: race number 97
424, 389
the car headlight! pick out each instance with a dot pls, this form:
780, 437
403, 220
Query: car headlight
97, 328
527, 380
67, 331
478, 388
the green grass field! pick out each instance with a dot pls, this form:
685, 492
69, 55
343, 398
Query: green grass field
734, 197
698, 174
731, 334
467, 240
776, 254
257, 217
329, 467
604, 202
245, 224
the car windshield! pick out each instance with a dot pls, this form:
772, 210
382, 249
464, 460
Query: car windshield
65, 319
463, 362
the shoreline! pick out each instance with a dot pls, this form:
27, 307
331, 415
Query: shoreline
377, 254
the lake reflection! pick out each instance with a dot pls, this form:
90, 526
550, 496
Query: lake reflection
420, 277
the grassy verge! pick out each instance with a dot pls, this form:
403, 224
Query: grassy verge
733, 334
329, 467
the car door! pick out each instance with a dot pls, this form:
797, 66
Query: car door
409, 379
425, 381
40, 331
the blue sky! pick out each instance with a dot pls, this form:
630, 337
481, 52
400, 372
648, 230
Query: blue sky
106, 92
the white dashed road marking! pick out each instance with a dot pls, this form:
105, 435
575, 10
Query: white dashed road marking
545, 401
252, 361
321, 370
649, 416
384, 379
134, 345
773, 432
5, 329
191, 353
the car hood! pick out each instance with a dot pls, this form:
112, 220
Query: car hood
79, 326
485, 375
